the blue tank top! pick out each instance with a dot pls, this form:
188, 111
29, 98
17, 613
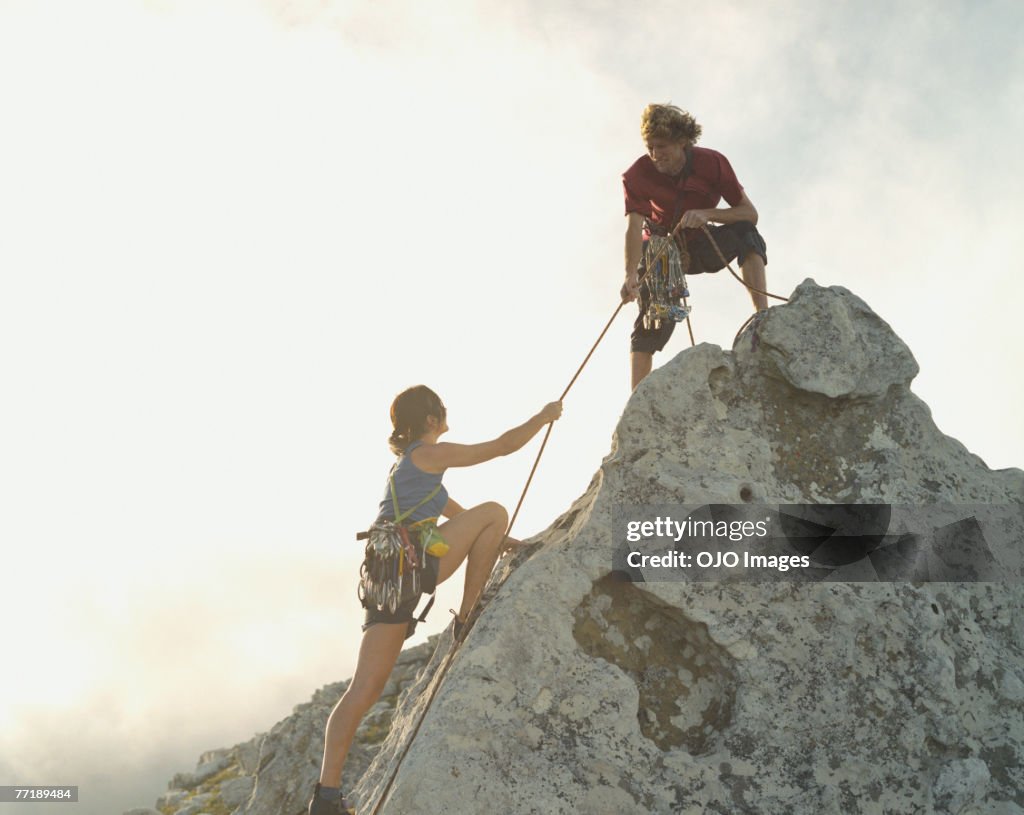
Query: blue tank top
412, 485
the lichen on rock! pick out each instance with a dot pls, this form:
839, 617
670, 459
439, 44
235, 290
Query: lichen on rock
684, 680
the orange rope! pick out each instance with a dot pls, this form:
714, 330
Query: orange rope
552, 424
728, 266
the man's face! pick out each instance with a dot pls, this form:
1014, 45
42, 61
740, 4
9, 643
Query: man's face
668, 156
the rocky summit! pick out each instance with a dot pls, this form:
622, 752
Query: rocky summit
883, 673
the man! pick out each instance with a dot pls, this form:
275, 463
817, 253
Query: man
675, 189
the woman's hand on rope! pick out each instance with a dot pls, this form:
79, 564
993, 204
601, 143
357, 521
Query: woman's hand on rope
631, 288
550, 412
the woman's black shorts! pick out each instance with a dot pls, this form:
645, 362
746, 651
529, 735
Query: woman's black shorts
405, 613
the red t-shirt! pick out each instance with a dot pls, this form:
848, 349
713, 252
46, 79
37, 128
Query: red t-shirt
706, 180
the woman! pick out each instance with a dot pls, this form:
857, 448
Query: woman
474, 535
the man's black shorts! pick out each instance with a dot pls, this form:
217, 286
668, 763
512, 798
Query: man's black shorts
406, 611
735, 240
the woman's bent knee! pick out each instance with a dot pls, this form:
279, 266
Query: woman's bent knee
497, 511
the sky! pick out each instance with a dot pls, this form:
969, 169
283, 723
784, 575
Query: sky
233, 231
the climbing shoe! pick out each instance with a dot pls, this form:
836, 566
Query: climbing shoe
459, 626
324, 806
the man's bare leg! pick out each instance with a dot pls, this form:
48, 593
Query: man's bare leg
754, 276
641, 364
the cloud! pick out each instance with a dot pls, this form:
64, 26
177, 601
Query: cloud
125, 681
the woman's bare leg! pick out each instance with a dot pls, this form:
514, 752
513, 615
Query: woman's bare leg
377, 655
474, 536
477, 534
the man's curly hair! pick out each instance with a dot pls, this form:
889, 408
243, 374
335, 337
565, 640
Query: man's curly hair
668, 122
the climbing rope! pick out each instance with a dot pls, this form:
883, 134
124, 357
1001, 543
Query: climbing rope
757, 314
728, 265
440, 674
552, 424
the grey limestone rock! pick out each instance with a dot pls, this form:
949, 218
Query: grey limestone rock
959, 783
195, 806
577, 692
889, 683
274, 772
173, 798
209, 765
236, 791
833, 345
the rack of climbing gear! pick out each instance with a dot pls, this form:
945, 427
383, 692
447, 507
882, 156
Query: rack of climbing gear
390, 572
391, 567
666, 261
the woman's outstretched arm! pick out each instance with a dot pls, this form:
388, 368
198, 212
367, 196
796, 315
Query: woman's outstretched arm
436, 458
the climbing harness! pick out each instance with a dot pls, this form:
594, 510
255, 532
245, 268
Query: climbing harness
394, 562
671, 262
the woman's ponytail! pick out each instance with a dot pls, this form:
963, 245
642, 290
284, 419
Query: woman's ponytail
398, 441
